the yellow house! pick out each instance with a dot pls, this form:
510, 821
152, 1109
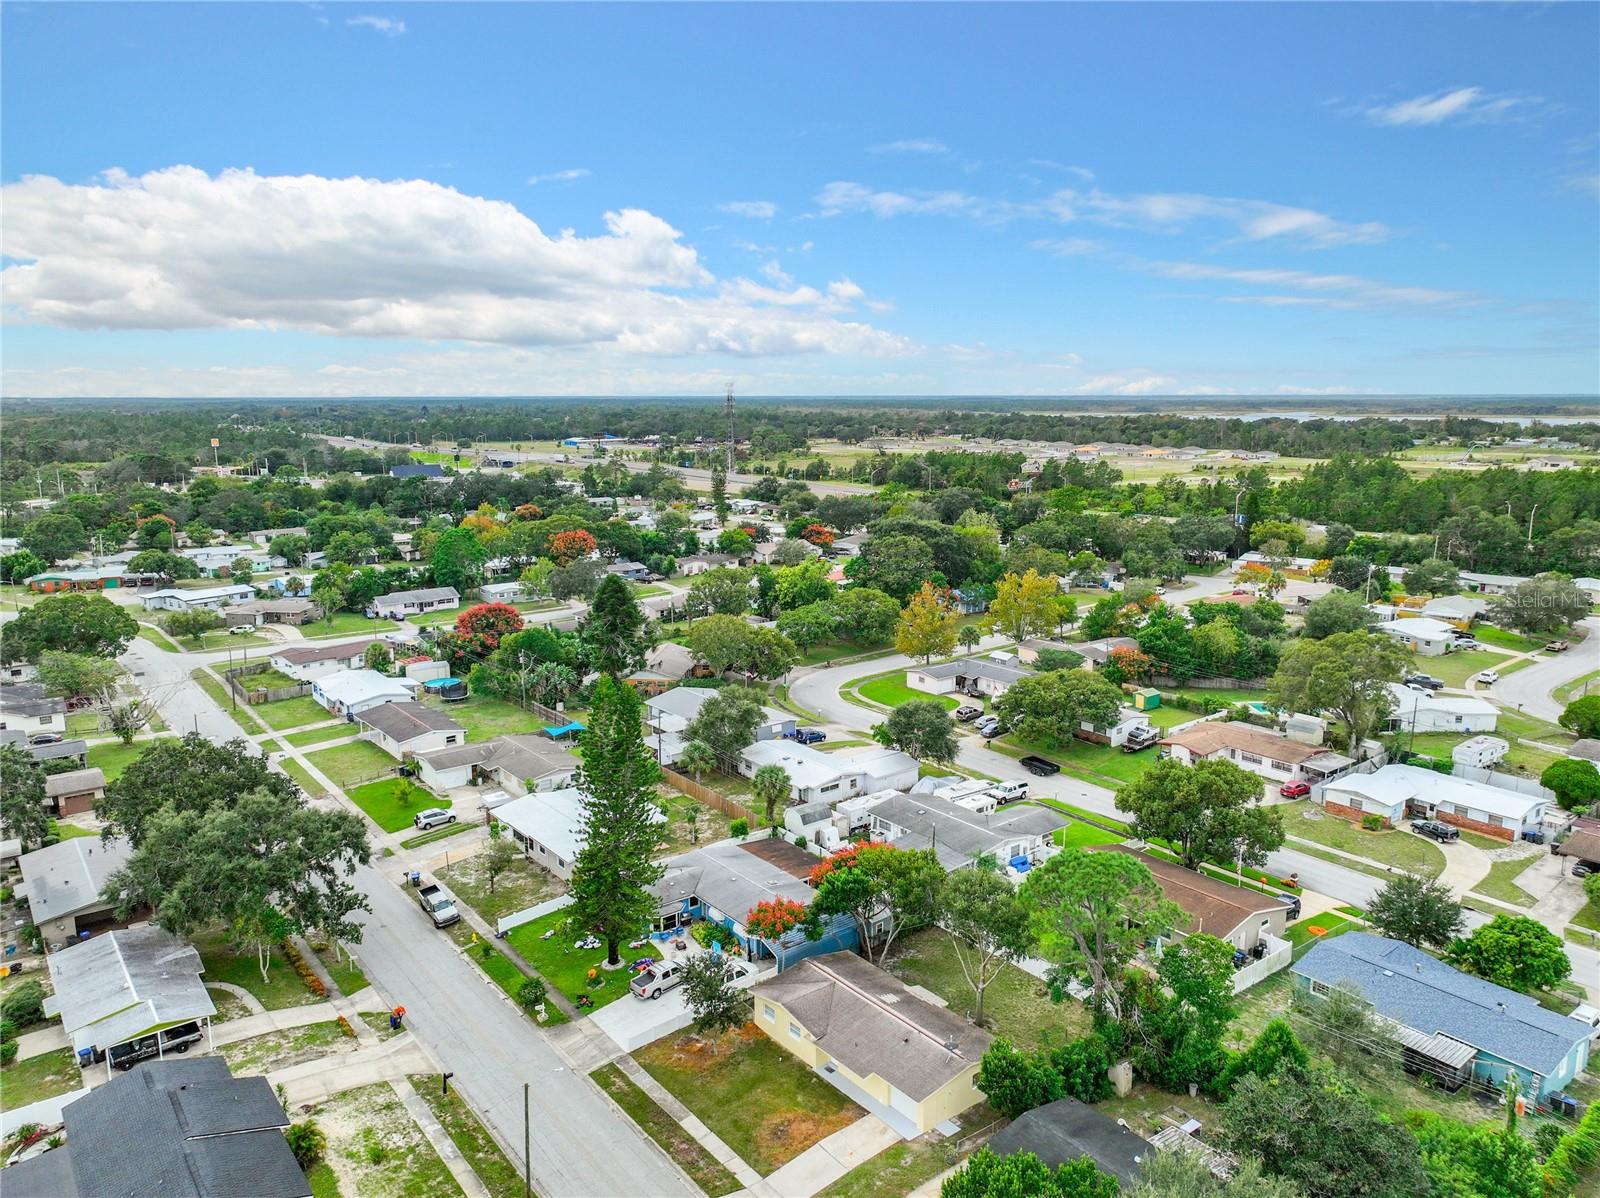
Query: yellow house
913, 1064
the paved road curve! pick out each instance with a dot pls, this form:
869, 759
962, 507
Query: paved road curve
1529, 688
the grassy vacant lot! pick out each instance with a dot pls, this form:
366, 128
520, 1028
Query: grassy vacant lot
673, 836
291, 713
1501, 882
902, 1168
315, 736
1396, 847
376, 1150
293, 1046
212, 685
353, 763
707, 1172
499, 1176
267, 680
567, 968
50, 1073
891, 691
392, 802
765, 1104
283, 987
485, 719
1099, 764
1016, 1005
113, 757
520, 887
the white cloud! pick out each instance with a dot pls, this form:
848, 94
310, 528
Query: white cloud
774, 272
911, 145
570, 175
843, 196
754, 209
179, 249
1470, 105
388, 26
1318, 290
1081, 172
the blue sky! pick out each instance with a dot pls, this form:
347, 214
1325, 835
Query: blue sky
295, 199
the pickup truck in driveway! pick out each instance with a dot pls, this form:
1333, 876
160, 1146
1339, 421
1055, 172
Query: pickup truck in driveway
437, 902
1041, 767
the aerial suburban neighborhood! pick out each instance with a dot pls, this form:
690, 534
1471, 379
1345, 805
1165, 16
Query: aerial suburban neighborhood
799, 600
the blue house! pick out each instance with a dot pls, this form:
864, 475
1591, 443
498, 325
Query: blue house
1451, 1025
721, 882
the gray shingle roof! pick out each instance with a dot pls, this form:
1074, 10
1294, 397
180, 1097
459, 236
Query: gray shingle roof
956, 829
1408, 986
974, 667
120, 985
424, 595
728, 878
305, 655
63, 879
73, 782
871, 1023
1064, 1130
402, 721
182, 1129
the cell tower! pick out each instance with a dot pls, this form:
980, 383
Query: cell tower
727, 404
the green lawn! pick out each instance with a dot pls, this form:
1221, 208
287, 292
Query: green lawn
1080, 813
1505, 639
765, 1104
37, 1078
1332, 924
901, 1168
301, 779
267, 680
1501, 882
499, 1176
213, 686
345, 623
68, 831
156, 637
704, 1169
827, 651
113, 757
485, 719
392, 802
1101, 765
1515, 723
283, 987
349, 764
891, 691
1081, 836
567, 968
523, 885
647, 590
83, 723
344, 971
315, 736
1164, 717
1577, 688
219, 640
1398, 847
673, 836
442, 832
1588, 916
1016, 1005
1456, 668
292, 713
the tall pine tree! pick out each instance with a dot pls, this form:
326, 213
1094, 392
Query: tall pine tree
613, 871
615, 633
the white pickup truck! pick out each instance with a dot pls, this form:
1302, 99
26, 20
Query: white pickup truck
1009, 792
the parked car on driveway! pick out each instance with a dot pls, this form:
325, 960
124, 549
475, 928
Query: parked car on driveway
662, 976
433, 817
808, 736
1427, 681
1557, 647
1582, 869
1294, 790
990, 731
1009, 792
45, 738
1488, 676
1434, 830
968, 713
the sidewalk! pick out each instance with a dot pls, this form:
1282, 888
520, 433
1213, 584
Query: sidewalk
691, 1123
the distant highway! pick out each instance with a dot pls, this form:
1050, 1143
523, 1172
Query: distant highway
692, 476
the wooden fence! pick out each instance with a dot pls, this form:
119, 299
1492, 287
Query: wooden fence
706, 795
268, 695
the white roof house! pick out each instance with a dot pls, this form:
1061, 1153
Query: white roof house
1589, 586
1429, 637
884, 769
1436, 712
1395, 789
125, 984
548, 825
813, 776
197, 598
674, 710
350, 692
1455, 607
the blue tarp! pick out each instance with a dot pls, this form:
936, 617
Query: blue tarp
442, 683
563, 729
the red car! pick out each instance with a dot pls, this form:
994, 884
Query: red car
1294, 790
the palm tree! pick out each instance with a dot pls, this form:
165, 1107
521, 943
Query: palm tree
770, 785
697, 758
969, 636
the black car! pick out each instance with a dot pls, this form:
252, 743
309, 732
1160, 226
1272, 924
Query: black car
1424, 680
1434, 830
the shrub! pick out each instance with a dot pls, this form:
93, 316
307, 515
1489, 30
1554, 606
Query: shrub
800, 843
1083, 1064
307, 1143
739, 827
8, 1052
531, 993
24, 1005
713, 933
1016, 1082
8, 1030
1372, 823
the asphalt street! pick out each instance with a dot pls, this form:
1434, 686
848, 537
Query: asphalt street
1529, 688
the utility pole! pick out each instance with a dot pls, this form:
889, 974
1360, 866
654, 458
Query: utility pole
527, 1151
1530, 525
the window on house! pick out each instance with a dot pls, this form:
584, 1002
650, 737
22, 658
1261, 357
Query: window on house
1321, 989
1281, 765
1250, 758
768, 1013
794, 1030
1497, 821
833, 786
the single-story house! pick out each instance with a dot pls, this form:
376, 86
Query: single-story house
1129, 724
1095, 652
668, 714
418, 470
1480, 752
350, 692
61, 750
397, 605
1457, 610
31, 713
1396, 790
406, 728
62, 883
291, 610
307, 663
632, 571
1028, 651
699, 563
1241, 916
1490, 584
215, 561
180, 1129
910, 1062
201, 598
500, 592
13, 672
1018, 837
1433, 711
1265, 753
849, 546
1423, 636
89, 578
548, 826
127, 990
968, 676
515, 764
664, 665
815, 776
723, 882
1067, 1129
1451, 1026
75, 791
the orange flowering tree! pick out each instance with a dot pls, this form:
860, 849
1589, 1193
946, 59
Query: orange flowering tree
568, 547
772, 919
817, 535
